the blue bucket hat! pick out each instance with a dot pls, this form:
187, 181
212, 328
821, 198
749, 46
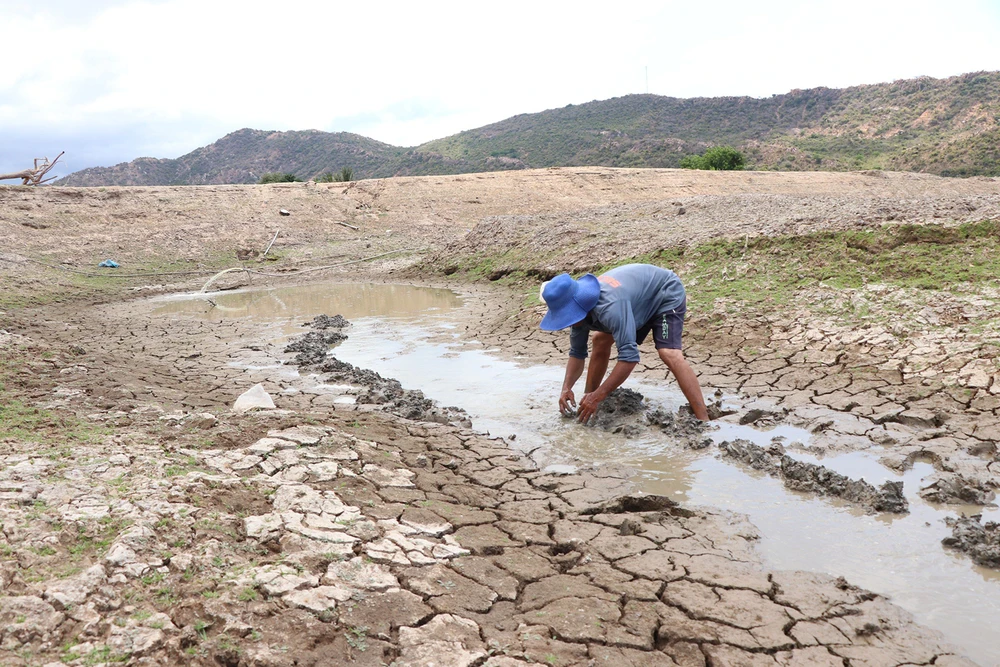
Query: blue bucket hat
568, 300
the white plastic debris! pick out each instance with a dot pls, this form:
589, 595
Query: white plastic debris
253, 399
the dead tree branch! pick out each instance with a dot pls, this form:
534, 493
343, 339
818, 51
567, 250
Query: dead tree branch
34, 176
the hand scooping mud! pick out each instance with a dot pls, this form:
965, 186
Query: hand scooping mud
567, 403
588, 406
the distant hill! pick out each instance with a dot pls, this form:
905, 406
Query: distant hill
245, 155
949, 127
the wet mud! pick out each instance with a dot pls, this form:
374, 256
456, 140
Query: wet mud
627, 412
621, 412
817, 479
971, 536
312, 347
327, 322
959, 489
682, 427
313, 351
389, 395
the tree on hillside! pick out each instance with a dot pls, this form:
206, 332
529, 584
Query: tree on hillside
716, 158
343, 176
278, 177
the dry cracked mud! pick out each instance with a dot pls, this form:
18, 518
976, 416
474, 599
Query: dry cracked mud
144, 522
280, 538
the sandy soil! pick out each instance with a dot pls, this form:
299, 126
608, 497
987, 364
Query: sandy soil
144, 521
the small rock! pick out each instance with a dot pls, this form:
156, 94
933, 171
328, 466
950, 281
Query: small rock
181, 562
204, 420
446, 641
263, 527
359, 574
319, 599
73, 591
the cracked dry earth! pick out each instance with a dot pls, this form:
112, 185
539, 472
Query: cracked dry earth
304, 535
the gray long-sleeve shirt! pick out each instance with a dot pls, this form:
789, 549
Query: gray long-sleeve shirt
630, 296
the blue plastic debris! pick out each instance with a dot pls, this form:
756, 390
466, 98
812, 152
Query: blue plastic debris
109, 264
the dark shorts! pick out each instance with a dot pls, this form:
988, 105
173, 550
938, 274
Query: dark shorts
666, 327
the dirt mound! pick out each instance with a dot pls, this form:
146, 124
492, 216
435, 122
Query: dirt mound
812, 478
620, 411
980, 541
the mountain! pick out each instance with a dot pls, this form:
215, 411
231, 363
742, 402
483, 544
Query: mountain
243, 156
949, 127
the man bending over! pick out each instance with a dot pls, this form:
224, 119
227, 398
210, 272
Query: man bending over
620, 307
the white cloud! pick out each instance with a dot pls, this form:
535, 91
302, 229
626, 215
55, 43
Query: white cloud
177, 74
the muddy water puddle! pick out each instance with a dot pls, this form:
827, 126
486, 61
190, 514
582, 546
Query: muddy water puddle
411, 334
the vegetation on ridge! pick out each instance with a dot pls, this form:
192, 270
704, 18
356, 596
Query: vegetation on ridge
716, 158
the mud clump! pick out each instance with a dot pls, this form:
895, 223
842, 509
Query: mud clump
980, 541
766, 460
683, 426
625, 411
618, 413
958, 489
759, 417
390, 395
817, 479
327, 322
312, 347
802, 476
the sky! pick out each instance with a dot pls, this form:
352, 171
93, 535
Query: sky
108, 81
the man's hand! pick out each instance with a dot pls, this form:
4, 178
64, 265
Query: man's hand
588, 406
567, 399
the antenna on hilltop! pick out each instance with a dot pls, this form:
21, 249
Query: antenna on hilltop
647, 79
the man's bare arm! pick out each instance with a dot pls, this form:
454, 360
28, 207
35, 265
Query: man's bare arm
574, 369
590, 402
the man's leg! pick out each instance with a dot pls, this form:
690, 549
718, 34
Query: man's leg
600, 354
667, 329
686, 380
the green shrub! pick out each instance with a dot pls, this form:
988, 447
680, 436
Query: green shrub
716, 158
343, 176
278, 177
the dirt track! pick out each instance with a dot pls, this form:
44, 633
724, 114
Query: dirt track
101, 542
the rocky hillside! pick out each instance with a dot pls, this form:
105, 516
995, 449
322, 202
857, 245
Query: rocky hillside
243, 156
949, 127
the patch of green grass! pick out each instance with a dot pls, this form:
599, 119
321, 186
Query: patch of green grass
248, 595
63, 286
357, 638
151, 579
772, 270
28, 423
166, 596
96, 539
102, 656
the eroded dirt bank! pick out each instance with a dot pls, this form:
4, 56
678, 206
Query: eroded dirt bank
143, 522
